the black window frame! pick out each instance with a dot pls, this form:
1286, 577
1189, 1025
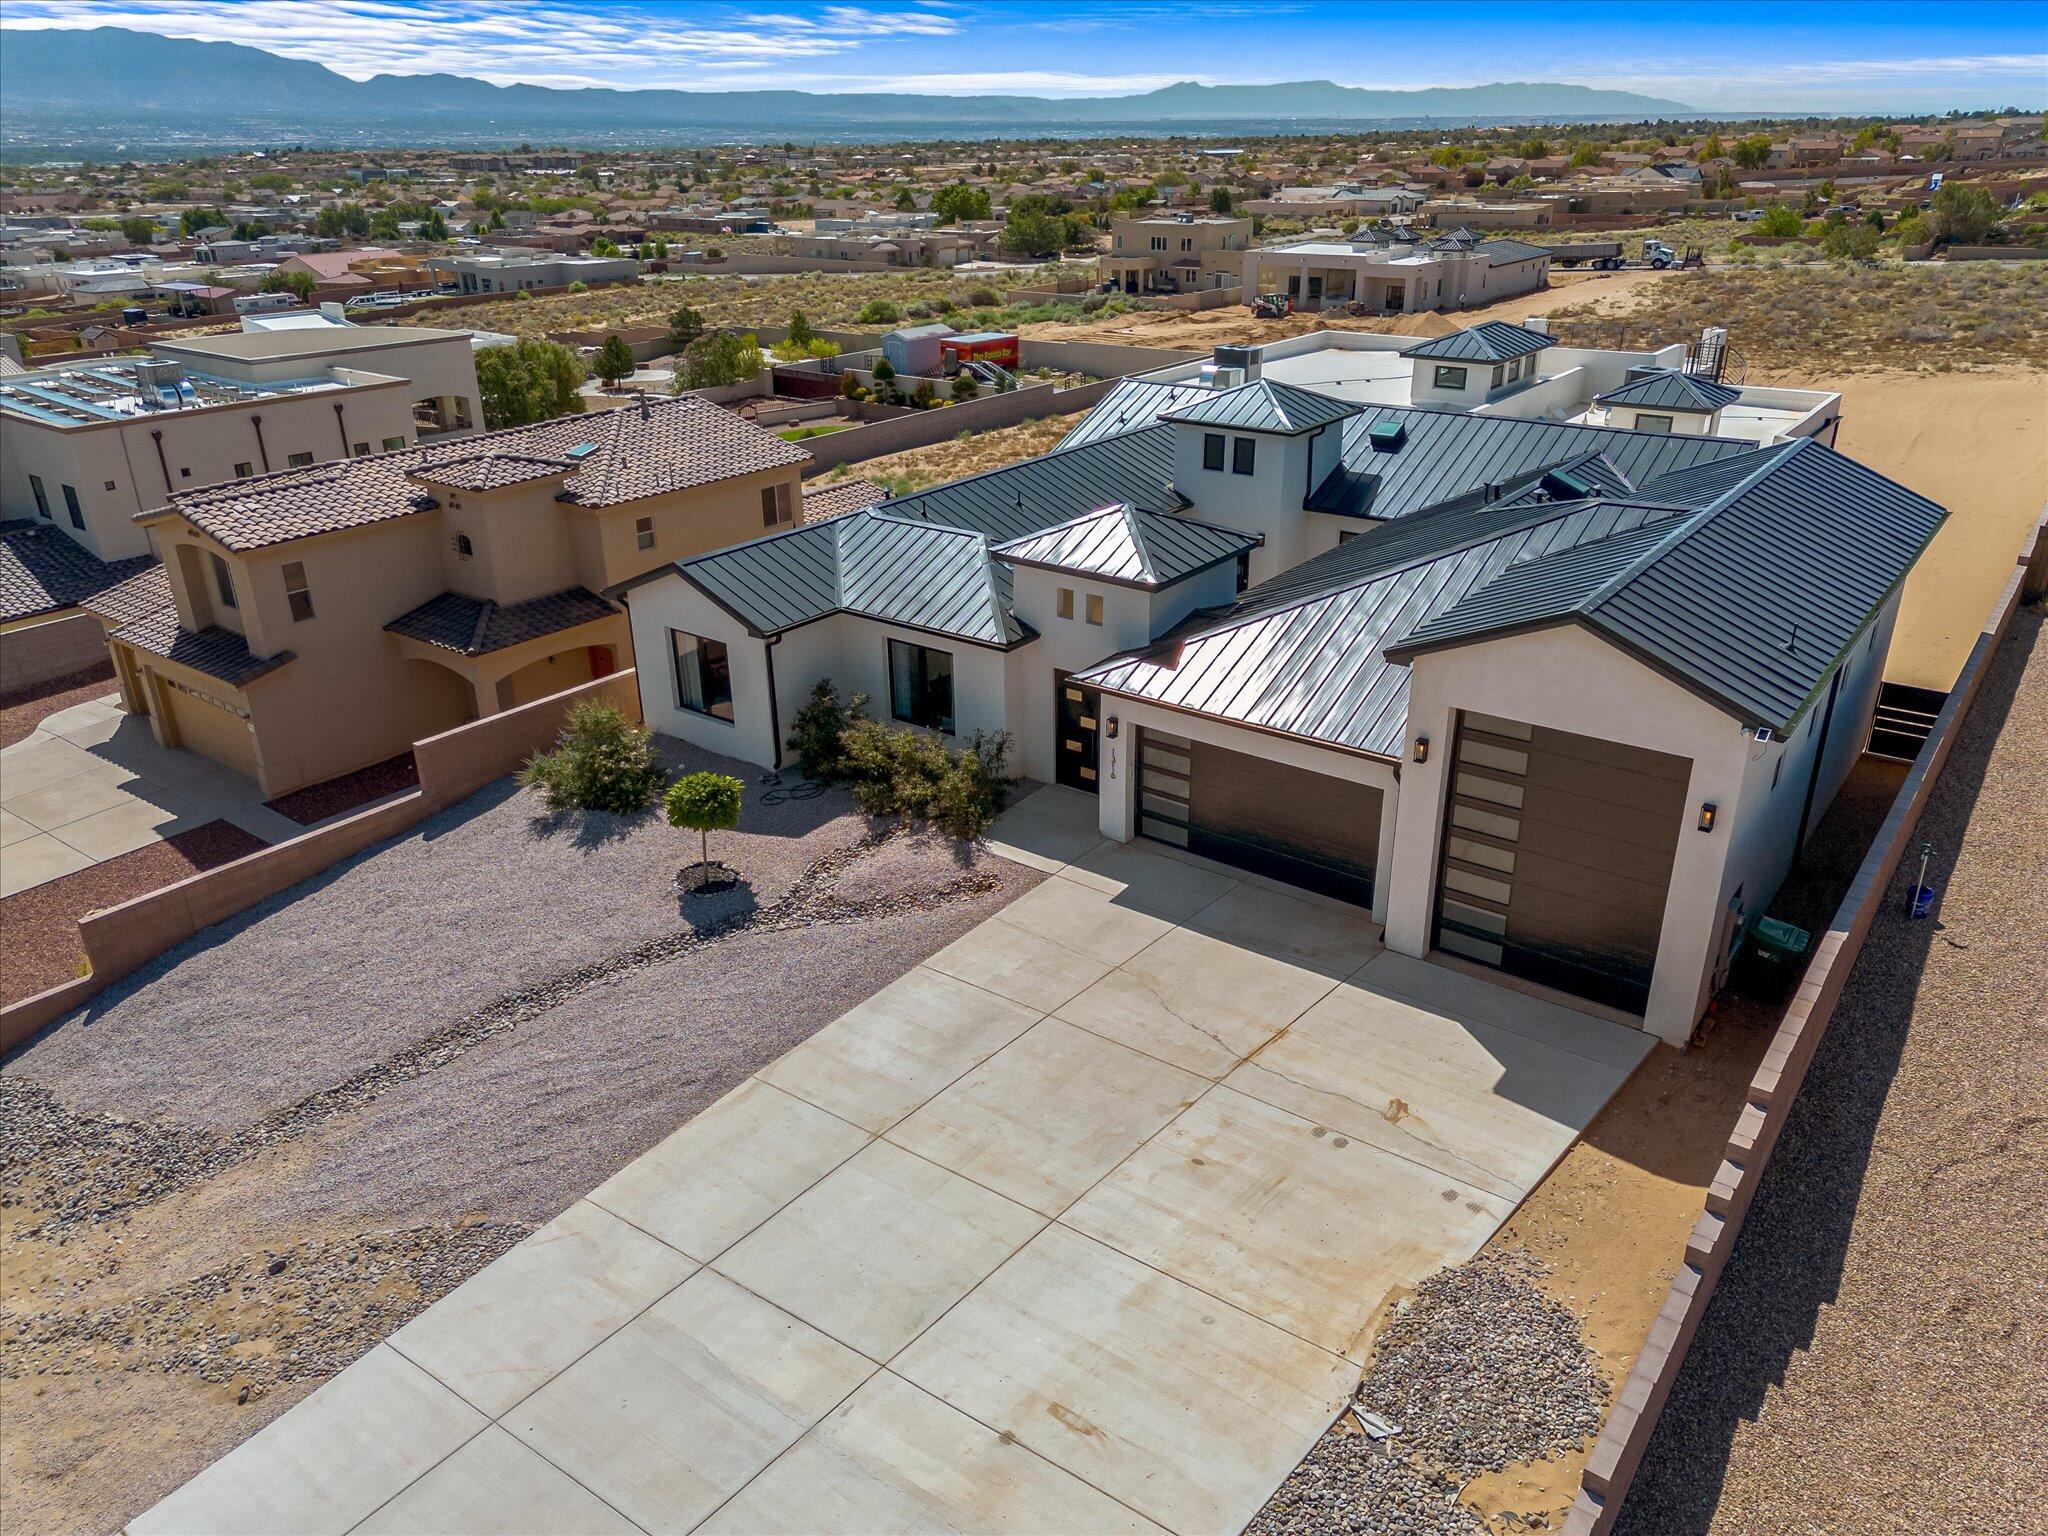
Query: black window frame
223, 580
1450, 376
71, 505
714, 675
1244, 456
924, 682
1666, 425
1212, 451
42, 495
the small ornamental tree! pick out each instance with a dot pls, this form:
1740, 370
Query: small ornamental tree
704, 803
684, 326
800, 332
614, 361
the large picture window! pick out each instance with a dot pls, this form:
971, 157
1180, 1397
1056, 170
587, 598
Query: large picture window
921, 686
703, 675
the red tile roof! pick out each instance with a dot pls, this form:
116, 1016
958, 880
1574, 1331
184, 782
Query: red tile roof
654, 448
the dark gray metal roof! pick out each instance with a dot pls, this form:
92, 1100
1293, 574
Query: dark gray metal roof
1262, 406
1751, 600
1670, 390
1131, 404
1490, 341
1024, 498
920, 575
1304, 654
1448, 454
1126, 544
1502, 251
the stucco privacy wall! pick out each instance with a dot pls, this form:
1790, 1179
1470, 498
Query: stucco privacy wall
452, 766
1119, 781
50, 648
1633, 1419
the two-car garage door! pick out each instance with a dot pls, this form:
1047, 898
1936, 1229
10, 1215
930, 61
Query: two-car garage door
1307, 829
1557, 855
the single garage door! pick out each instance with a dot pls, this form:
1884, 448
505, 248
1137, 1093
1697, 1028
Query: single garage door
1308, 829
1557, 857
212, 727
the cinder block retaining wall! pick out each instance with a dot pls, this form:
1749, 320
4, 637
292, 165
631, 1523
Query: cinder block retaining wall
452, 766
36, 653
1633, 1419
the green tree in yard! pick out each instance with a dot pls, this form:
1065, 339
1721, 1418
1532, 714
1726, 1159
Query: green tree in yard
192, 220
137, 230
604, 245
800, 332
1711, 148
614, 361
1752, 153
684, 326
1844, 241
1031, 233
960, 202
528, 381
1583, 155
718, 359
1780, 221
704, 803
906, 200
1219, 199
296, 281
1962, 215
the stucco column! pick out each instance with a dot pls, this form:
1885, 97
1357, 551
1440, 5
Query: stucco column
1116, 788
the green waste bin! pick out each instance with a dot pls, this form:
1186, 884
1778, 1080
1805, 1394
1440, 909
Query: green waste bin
1776, 955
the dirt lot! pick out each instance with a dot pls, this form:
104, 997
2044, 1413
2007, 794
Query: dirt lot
1977, 443
244, 1166
1872, 1357
25, 708
968, 454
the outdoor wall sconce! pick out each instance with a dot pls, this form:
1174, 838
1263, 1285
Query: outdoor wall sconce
1109, 727
1708, 810
1422, 749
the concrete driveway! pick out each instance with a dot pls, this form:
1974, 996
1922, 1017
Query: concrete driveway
1081, 1226
91, 783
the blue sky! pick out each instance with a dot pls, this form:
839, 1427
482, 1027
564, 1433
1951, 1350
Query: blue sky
1927, 55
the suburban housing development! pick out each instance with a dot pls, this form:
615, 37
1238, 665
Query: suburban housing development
1560, 694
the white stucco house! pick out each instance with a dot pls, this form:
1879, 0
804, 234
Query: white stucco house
1556, 699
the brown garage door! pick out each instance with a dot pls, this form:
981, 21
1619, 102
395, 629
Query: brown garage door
212, 727
1308, 829
1557, 857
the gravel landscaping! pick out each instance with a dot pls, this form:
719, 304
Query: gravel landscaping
1479, 1369
317, 802
41, 923
25, 708
385, 1077
1872, 1357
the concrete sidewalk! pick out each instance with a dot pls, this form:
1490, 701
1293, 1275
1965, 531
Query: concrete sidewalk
1081, 1226
91, 783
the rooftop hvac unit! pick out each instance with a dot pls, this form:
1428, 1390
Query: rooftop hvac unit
1640, 371
1216, 376
1244, 361
160, 385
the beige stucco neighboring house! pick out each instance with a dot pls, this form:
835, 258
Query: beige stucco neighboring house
1173, 253
311, 622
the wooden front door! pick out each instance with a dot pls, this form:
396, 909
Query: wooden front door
1077, 746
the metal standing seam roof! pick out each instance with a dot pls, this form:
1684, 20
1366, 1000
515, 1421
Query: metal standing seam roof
1750, 601
1261, 405
1670, 390
1501, 252
1122, 543
1305, 654
1035, 494
1132, 404
920, 575
1448, 454
1490, 341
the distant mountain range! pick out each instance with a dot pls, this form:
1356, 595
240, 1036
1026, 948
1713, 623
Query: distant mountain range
59, 86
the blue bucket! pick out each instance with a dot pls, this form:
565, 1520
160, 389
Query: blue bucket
1923, 900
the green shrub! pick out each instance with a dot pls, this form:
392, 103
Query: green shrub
816, 730
916, 776
984, 298
878, 312
704, 803
601, 762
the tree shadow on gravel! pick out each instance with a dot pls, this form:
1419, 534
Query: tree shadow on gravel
588, 831
1789, 1260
